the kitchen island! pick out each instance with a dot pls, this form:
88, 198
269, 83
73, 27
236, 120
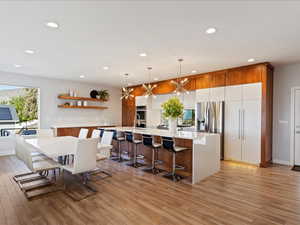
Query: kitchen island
200, 160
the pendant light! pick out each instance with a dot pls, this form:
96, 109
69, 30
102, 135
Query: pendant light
126, 91
180, 83
148, 87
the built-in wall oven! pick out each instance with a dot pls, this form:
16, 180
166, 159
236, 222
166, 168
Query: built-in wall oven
141, 116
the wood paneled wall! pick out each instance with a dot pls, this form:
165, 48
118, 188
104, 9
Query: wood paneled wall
262, 72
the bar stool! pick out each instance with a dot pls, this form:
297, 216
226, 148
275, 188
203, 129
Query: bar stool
118, 140
149, 142
129, 137
168, 143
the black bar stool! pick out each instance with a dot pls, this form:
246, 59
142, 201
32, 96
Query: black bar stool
118, 140
149, 142
168, 143
129, 137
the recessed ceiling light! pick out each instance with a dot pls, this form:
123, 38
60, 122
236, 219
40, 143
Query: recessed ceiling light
194, 71
155, 78
105, 67
52, 24
81, 76
29, 51
211, 30
143, 54
251, 60
17, 65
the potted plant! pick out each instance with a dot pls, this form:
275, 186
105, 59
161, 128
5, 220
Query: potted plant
172, 109
103, 95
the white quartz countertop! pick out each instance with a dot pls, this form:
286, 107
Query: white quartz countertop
166, 133
79, 124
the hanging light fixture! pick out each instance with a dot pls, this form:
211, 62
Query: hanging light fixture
148, 87
126, 91
180, 83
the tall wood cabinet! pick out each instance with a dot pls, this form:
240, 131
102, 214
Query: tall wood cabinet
213, 86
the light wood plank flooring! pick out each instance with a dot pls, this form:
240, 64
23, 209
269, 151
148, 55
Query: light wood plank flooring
237, 195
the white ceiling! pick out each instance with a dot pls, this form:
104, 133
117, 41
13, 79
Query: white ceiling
93, 34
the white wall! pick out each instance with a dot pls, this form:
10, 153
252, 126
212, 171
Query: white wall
285, 77
50, 114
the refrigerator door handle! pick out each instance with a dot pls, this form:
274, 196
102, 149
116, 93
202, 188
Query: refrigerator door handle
243, 124
239, 124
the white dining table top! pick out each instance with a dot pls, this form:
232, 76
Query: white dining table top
54, 146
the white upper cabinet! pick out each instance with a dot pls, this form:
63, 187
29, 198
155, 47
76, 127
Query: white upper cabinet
202, 95
233, 93
188, 100
252, 91
159, 100
217, 94
141, 101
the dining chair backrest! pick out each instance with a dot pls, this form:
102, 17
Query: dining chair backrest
115, 134
168, 143
107, 137
83, 133
101, 132
19, 147
26, 155
128, 136
96, 133
45, 133
85, 156
147, 140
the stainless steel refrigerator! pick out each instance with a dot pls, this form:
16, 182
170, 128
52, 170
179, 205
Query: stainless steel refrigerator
210, 118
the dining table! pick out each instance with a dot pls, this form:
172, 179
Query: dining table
53, 147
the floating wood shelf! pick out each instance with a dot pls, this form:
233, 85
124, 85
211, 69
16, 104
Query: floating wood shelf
81, 107
80, 98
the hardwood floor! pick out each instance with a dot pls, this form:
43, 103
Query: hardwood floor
237, 195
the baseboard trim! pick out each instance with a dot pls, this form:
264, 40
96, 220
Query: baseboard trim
281, 162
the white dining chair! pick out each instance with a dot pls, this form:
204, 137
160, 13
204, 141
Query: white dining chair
83, 133
103, 152
96, 133
84, 162
104, 147
38, 168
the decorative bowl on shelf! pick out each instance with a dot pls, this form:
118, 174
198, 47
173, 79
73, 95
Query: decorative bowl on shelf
94, 94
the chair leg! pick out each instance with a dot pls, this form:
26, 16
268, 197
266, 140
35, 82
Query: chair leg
172, 175
153, 168
117, 158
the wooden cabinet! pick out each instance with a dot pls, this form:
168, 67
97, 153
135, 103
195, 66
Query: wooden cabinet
244, 75
212, 86
128, 112
218, 79
164, 87
203, 81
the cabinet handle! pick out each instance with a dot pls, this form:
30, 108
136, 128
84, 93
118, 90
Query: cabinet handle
239, 124
243, 124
